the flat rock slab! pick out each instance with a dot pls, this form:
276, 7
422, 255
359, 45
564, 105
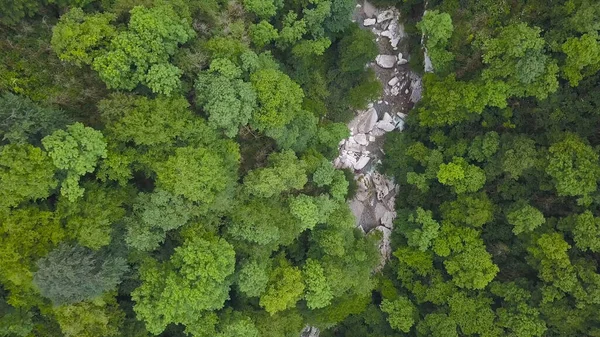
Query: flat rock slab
369, 10
386, 61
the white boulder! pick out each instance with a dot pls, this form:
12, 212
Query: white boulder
361, 139
386, 61
385, 126
368, 121
393, 81
361, 162
385, 16
369, 22
369, 9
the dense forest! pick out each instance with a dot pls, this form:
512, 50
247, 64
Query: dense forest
166, 170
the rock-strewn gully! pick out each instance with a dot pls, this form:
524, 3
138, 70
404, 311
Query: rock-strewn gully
373, 205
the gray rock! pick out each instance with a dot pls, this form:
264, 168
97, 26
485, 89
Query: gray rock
393, 81
380, 211
361, 162
386, 61
361, 139
369, 22
369, 10
357, 207
427, 62
385, 126
388, 219
310, 331
387, 117
385, 16
385, 247
368, 121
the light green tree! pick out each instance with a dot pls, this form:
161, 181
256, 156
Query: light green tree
76, 151
26, 173
184, 290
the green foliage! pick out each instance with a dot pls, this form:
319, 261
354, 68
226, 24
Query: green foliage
585, 232
284, 289
516, 56
573, 166
461, 176
76, 152
80, 38
356, 49
26, 173
583, 57
472, 210
420, 229
229, 102
23, 121
318, 293
99, 317
27, 234
438, 28
185, 289
124, 59
252, 278
90, 220
524, 218
279, 99
71, 274
263, 33
153, 215
286, 173
401, 313
144, 121
197, 174
264, 9
437, 325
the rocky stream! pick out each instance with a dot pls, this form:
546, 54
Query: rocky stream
373, 204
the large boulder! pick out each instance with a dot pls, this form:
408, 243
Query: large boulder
367, 121
369, 22
386, 61
369, 10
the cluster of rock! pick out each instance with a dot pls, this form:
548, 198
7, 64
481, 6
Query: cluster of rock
385, 24
358, 150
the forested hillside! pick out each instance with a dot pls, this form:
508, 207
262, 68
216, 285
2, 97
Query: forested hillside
165, 167
166, 170
498, 228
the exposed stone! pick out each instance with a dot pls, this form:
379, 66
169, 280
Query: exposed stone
395, 91
416, 87
387, 117
357, 207
369, 10
361, 162
385, 126
386, 61
380, 210
401, 115
385, 16
385, 247
361, 139
427, 62
352, 146
371, 138
377, 132
369, 22
402, 62
393, 81
388, 219
368, 121
310, 331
